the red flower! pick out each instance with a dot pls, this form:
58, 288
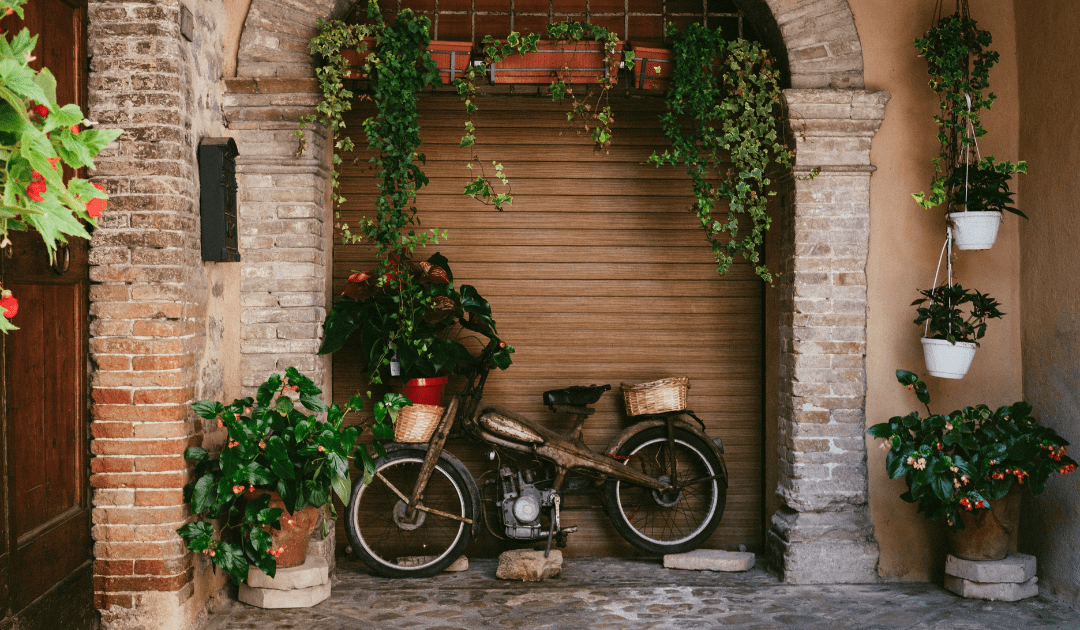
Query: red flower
41, 110
53, 161
359, 276
35, 189
95, 207
10, 306
74, 129
233, 443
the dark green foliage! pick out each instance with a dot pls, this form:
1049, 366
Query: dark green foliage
944, 310
960, 461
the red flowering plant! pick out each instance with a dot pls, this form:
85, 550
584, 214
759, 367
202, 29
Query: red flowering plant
37, 138
963, 460
272, 445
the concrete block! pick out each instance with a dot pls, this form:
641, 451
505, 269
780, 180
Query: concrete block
1014, 568
274, 598
527, 565
461, 564
314, 572
710, 560
1000, 591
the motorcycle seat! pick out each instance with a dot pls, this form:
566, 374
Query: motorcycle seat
576, 396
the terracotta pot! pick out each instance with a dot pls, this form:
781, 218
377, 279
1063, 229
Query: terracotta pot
356, 59
425, 391
571, 61
452, 58
295, 530
989, 534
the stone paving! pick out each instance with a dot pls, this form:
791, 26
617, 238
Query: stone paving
638, 594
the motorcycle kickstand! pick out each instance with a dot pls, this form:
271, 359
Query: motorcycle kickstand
555, 501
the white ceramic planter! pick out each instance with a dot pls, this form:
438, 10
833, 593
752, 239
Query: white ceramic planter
947, 360
975, 230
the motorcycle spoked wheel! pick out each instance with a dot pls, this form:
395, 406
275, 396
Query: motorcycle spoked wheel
383, 535
672, 522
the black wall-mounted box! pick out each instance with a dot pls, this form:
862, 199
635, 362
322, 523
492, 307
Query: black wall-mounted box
217, 199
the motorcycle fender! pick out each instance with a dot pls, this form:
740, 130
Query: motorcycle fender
621, 439
474, 491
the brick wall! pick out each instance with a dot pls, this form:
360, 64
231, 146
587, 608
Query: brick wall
148, 300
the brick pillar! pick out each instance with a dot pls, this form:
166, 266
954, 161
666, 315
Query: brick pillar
148, 305
822, 533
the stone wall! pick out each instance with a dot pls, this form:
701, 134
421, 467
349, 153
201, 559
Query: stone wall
149, 297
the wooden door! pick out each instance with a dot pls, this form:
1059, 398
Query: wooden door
596, 274
45, 576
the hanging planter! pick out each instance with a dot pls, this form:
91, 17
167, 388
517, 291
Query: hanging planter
975, 230
555, 60
452, 58
945, 359
653, 68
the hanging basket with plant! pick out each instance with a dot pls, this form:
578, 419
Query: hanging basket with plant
954, 320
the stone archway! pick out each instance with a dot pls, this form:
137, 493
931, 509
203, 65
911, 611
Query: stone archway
822, 532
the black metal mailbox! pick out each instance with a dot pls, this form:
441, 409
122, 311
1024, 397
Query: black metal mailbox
217, 199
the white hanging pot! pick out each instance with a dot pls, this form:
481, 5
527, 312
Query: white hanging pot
948, 360
975, 230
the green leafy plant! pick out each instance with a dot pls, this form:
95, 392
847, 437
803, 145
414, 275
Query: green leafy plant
943, 310
411, 316
959, 62
725, 103
272, 445
961, 461
37, 138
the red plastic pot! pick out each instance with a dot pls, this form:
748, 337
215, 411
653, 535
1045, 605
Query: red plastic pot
570, 61
425, 391
452, 58
653, 68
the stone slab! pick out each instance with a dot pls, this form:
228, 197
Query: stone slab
528, 565
1014, 568
710, 560
994, 591
274, 598
314, 572
461, 564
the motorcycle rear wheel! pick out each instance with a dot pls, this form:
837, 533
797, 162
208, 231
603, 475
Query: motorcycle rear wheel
383, 534
676, 521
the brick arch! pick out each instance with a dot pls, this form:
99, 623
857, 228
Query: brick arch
822, 532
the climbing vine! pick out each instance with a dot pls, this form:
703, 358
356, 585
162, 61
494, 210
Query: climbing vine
725, 103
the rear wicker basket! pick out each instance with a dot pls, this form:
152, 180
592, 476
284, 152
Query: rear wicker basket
656, 397
417, 423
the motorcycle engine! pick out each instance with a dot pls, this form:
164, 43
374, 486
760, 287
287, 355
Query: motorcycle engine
522, 504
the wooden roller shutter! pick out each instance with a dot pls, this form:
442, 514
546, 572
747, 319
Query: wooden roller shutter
596, 274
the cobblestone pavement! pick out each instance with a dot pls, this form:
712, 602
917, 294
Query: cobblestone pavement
638, 594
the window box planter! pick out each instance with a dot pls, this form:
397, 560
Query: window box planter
356, 58
975, 230
948, 360
452, 58
653, 68
569, 61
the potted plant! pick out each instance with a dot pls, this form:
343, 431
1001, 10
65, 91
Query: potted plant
974, 190
951, 335
406, 324
258, 500
653, 67
960, 466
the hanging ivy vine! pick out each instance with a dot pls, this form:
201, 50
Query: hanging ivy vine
725, 103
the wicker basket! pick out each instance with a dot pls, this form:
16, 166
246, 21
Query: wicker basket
417, 423
662, 396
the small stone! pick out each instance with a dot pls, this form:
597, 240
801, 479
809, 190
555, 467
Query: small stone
1014, 568
461, 564
994, 591
710, 560
527, 565
314, 572
274, 598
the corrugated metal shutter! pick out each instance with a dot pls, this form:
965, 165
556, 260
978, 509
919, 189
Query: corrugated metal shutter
596, 274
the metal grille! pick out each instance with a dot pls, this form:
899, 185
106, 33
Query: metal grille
458, 19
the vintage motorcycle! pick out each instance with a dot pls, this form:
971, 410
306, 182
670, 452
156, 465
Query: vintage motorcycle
662, 482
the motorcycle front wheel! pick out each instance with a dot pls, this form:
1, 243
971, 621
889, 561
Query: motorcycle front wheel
675, 521
397, 542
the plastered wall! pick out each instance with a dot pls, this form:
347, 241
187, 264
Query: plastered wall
1049, 261
905, 243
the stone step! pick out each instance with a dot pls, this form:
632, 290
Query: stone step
710, 560
275, 598
995, 591
314, 572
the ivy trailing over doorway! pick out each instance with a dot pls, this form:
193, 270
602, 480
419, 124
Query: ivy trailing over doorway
725, 102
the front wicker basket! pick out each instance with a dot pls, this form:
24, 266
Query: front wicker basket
417, 423
661, 396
